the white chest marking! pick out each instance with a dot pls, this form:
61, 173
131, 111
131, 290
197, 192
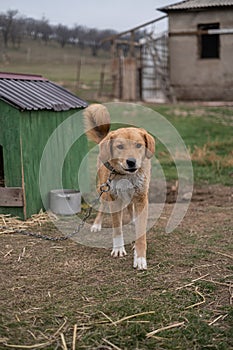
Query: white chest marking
125, 188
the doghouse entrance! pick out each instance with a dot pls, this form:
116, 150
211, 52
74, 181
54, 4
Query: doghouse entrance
2, 182
9, 196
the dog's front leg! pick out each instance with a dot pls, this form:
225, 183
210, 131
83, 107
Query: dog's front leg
98, 220
118, 239
141, 214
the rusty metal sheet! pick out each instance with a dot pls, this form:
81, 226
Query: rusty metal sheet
29, 92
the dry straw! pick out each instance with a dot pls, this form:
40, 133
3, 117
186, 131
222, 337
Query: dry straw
9, 224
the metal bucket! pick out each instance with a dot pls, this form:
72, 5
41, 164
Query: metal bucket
65, 202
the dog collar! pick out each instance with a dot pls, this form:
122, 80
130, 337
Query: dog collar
109, 167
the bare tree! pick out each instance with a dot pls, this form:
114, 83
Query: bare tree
14, 27
105, 34
44, 29
33, 28
17, 31
63, 34
6, 24
81, 35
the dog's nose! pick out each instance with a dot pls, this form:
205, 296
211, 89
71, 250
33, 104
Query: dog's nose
131, 162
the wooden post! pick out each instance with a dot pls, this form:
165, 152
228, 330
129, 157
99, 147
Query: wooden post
78, 74
28, 55
23, 180
113, 48
101, 87
140, 73
131, 49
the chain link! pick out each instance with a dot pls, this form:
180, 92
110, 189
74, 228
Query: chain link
105, 187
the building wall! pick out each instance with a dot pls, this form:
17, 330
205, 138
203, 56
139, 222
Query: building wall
195, 78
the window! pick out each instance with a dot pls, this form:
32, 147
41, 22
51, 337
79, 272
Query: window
1, 168
209, 43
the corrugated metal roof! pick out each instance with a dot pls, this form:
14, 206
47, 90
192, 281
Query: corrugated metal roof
196, 5
34, 92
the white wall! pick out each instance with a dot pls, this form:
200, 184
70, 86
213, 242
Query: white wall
195, 78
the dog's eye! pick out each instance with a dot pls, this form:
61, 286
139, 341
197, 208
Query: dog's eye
120, 146
138, 145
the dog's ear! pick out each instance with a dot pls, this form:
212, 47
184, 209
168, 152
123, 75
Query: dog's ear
149, 144
106, 149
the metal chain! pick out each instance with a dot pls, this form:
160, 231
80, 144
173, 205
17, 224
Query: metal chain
105, 187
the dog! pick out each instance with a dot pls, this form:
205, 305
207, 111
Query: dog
124, 166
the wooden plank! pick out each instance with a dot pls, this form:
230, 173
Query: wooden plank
115, 72
223, 31
112, 37
11, 197
131, 47
129, 79
23, 181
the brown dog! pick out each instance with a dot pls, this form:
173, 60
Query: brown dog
125, 154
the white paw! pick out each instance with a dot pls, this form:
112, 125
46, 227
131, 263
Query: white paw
139, 263
118, 247
96, 227
120, 251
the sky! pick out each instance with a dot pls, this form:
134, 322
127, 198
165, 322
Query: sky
119, 15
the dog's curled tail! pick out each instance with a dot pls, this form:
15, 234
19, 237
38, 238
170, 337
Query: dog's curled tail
96, 122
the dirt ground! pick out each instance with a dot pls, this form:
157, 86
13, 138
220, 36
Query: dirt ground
47, 287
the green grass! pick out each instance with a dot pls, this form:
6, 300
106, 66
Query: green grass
57, 64
207, 133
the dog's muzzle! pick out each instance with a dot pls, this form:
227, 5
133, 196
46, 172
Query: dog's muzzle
131, 164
